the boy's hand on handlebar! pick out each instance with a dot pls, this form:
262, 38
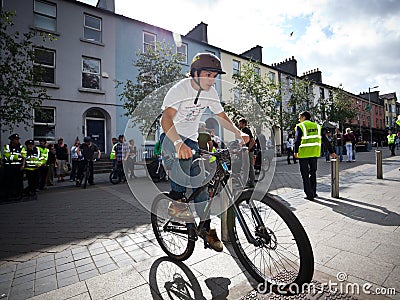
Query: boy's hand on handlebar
183, 151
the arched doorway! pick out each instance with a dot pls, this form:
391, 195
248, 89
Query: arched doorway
95, 127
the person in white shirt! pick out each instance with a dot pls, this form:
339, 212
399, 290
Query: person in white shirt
290, 147
182, 108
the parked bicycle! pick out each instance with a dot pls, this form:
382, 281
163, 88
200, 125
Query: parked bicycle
266, 236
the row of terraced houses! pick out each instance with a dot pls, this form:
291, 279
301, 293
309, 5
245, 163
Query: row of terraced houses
94, 47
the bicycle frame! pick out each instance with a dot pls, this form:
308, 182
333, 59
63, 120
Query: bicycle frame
221, 167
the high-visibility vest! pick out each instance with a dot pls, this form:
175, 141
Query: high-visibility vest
398, 120
112, 154
311, 140
44, 155
32, 161
13, 156
391, 138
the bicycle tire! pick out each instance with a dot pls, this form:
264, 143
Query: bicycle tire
115, 177
287, 261
178, 246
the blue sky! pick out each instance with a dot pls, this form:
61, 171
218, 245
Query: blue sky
354, 43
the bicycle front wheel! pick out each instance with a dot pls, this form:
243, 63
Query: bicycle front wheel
281, 256
115, 177
176, 238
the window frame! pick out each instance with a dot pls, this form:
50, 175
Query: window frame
235, 70
92, 28
53, 124
144, 44
46, 66
185, 54
99, 74
54, 18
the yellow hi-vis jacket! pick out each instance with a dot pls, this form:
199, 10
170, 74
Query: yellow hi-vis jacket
311, 139
391, 138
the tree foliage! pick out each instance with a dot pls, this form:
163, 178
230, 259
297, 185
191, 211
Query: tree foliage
342, 109
301, 98
157, 69
20, 90
259, 97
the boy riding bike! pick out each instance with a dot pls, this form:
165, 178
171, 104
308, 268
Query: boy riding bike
183, 107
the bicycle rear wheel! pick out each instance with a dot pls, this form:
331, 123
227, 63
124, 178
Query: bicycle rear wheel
283, 257
176, 238
115, 177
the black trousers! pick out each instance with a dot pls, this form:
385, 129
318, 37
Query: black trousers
13, 180
43, 170
392, 147
290, 153
33, 181
81, 168
308, 170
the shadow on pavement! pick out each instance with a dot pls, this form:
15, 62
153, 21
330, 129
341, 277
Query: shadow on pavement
374, 214
171, 279
66, 216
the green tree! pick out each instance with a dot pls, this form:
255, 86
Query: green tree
20, 90
343, 109
254, 91
301, 98
158, 69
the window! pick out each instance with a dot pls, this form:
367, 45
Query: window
271, 76
235, 67
182, 53
45, 15
44, 124
45, 65
321, 93
90, 73
92, 28
387, 120
149, 42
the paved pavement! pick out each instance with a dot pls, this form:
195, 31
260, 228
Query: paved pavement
97, 243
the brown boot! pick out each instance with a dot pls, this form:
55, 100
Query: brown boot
179, 210
213, 240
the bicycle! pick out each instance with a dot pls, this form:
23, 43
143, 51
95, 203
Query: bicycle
117, 175
266, 236
86, 172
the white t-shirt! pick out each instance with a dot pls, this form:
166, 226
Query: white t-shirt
181, 97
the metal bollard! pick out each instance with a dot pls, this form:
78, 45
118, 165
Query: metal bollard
224, 215
379, 172
335, 178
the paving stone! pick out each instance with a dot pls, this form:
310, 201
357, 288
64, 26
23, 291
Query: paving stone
103, 262
45, 265
46, 272
68, 281
19, 294
64, 267
83, 261
24, 279
67, 273
67, 292
28, 264
100, 256
25, 271
107, 268
88, 274
85, 268
81, 255
98, 250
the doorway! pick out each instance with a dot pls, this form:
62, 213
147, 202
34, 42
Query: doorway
95, 128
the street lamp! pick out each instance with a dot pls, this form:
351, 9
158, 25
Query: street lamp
370, 112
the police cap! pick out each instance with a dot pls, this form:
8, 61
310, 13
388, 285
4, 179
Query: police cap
30, 142
13, 136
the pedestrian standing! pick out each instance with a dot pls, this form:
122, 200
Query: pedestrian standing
14, 155
290, 148
250, 146
75, 154
348, 140
51, 162
391, 142
61, 158
31, 169
338, 137
43, 167
307, 148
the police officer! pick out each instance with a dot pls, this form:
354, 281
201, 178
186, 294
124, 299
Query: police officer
14, 160
43, 167
391, 142
307, 148
32, 164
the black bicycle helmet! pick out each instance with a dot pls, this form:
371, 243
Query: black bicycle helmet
87, 139
206, 61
